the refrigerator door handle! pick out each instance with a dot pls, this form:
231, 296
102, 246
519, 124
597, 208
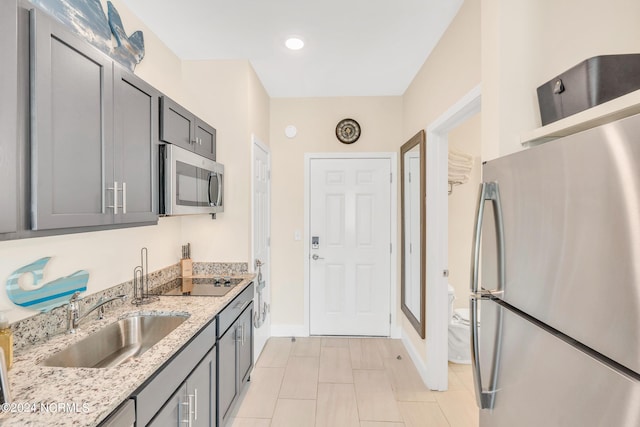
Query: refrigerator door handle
489, 191
485, 399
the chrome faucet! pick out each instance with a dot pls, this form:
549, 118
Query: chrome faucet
73, 310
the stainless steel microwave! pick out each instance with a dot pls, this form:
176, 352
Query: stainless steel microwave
189, 183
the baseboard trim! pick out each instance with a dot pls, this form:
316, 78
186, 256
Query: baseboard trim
415, 356
289, 331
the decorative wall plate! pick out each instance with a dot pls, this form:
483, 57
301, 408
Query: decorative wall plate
348, 131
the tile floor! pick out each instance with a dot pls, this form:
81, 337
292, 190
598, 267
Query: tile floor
345, 382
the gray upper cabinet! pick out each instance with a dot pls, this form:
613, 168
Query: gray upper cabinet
9, 118
205, 140
135, 147
180, 127
93, 135
71, 129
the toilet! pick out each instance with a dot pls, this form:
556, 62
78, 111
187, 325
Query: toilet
459, 332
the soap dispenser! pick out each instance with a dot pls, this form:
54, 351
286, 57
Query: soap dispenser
6, 339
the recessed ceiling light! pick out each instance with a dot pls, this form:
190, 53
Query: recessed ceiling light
294, 43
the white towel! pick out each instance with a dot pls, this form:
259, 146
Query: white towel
460, 165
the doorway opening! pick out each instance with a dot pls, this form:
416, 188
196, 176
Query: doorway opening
434, 367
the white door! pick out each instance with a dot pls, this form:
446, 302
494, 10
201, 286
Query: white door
261, 237
350, 247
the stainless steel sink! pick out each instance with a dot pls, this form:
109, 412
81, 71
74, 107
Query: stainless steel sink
117, 342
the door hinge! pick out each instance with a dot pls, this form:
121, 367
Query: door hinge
390, 248
389, 318
269, 174
268, 242
391, 178
409, 177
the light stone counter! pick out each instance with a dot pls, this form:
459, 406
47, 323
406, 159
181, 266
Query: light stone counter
85, 396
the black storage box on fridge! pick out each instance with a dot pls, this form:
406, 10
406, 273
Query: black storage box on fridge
590, 83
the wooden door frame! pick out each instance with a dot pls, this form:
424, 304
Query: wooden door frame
394, 329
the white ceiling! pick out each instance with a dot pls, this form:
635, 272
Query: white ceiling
352, 47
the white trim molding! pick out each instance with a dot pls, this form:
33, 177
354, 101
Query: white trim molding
436, 364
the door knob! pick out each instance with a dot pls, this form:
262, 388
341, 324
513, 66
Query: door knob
316, 257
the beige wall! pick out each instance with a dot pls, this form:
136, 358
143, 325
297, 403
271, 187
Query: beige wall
450, 72
315, 118
527, 42
462, 206
229, 96
160, 67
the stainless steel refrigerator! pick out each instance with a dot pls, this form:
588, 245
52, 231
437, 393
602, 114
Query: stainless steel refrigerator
558, 285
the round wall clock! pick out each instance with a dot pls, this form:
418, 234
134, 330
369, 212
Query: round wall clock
348, 131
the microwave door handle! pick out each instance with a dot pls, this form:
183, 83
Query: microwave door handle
220, 189
209, 188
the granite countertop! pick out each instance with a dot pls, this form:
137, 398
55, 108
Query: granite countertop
85, 396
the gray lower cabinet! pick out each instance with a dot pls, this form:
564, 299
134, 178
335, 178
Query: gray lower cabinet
92, 136
192, 404
124, 416
227, 376
180, 127
235, 354
9, 118
183, 391
245, 350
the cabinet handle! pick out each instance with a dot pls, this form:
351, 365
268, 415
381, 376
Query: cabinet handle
115, 197
188, 405
243, 305
191, 412
195, 405
124, 197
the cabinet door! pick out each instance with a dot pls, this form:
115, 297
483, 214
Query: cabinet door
205, 140
201, 386
245, 344
175, 412
71, 129
135, 147
227, 373
9, 118
177, 124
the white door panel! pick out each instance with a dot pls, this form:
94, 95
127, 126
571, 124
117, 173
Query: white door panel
350, 271
261, 234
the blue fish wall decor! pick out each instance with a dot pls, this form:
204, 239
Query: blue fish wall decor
44, 296
87, 19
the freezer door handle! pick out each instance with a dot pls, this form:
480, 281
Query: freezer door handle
489, 191
484, 398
